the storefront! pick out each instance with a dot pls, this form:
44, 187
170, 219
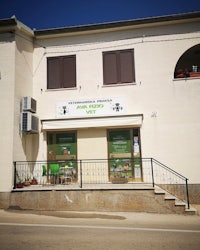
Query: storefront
123, 152
96, 129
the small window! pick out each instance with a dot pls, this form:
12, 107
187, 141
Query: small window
61, 72
118, 67
188, 64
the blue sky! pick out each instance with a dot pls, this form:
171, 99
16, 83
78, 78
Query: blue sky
44, 14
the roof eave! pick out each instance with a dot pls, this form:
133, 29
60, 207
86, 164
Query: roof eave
12, 25
118, 25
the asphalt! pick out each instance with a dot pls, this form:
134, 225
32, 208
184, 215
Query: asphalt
92, 217
26, 229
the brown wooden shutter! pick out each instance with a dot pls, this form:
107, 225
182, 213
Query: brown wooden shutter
53, 73
118, 67
126, 66
61, 72
69, 71
110, 67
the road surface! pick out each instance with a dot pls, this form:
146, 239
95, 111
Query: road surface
71, 230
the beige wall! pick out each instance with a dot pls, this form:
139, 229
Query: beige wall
23, 87
92, 144
16, 53
7, 84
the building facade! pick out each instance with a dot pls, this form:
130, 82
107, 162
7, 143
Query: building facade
118, 90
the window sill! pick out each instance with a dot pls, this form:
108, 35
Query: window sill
61, 89
118, 85
185, 79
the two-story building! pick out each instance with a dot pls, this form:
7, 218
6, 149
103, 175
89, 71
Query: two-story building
119, 90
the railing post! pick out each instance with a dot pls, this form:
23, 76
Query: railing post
15, 173
152, 173
81, 174
187, 193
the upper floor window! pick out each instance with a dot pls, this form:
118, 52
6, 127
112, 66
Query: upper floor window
188, 64
118, 67
61, 72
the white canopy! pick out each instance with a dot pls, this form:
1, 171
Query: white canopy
93, 122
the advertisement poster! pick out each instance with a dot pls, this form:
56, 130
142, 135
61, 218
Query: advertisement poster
120, 154
120, 143
66, 146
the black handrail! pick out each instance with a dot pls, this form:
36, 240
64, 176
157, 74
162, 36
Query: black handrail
183, 178
169, 169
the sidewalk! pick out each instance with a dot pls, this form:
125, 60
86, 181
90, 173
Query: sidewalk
136, 219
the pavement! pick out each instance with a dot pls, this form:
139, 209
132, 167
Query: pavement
90, 217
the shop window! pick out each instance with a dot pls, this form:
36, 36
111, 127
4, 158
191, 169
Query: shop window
188, 64
61, 72
62, 148
124, 155
118, 67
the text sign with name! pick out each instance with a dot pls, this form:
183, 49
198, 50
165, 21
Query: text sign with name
91, 107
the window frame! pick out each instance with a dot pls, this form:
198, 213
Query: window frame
120, 73
63, 75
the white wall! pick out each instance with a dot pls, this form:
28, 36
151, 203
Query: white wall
23, 87
16, 52
7, 85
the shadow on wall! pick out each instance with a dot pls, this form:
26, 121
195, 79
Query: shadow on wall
30, 144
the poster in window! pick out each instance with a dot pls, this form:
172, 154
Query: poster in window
136, 147
66, 146
120, 154
119, 144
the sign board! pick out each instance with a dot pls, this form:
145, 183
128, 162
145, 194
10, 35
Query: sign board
91, 107
119, 143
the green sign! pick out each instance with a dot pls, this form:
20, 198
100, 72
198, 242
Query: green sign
119, 142
66, 144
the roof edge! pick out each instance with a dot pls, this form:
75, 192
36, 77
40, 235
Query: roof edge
12, 24
118, 24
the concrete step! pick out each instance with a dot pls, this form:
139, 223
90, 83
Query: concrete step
179, 204
191, 211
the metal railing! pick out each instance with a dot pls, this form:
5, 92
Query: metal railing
166, 178
101, 171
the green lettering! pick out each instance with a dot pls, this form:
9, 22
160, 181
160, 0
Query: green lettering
96, 106
90, 112
81, 107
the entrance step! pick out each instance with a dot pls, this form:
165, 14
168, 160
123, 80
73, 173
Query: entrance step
178, 205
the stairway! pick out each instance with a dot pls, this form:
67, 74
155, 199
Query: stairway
172, 202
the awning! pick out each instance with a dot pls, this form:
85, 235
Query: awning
93, 122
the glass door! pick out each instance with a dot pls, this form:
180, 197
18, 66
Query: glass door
120, 153
124, 155
62, 148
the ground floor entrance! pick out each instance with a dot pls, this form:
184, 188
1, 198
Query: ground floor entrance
122, 148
